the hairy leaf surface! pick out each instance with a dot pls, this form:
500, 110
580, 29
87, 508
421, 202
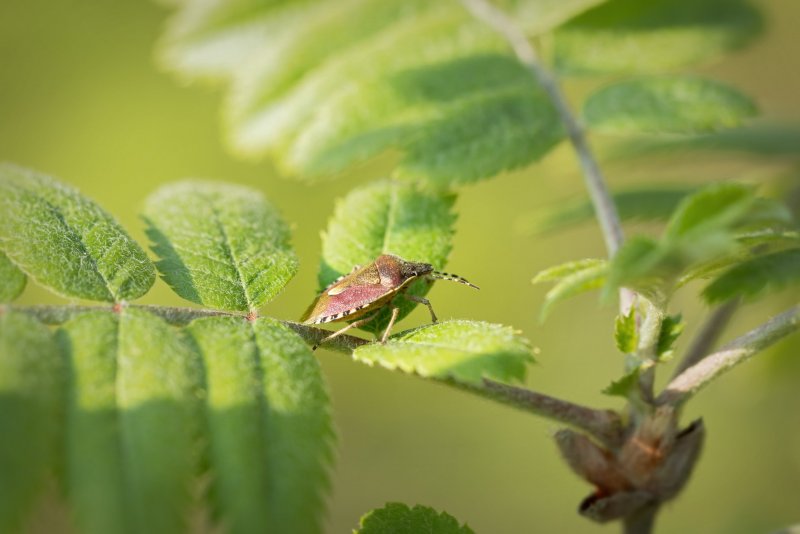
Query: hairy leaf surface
398, 518
220, 245
624, 36
388, 217
674, 105
321, 85
132, 422
30, 395
12, 280
269, 424
464, 351
66, 242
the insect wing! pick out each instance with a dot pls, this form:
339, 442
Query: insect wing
352, 292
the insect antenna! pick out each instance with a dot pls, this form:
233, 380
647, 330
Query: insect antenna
452, 277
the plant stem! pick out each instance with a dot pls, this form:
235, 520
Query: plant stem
708, 335
693, 379
642, 521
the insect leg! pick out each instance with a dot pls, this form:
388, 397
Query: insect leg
426, 302
354, 324
392, 319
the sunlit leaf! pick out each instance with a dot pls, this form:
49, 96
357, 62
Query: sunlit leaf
398, 518
674, 105
322, 85
30, 396
623, 36
464, 351
388, 218
557, 272
768, 272
220, 245
12, 280
66, 242
269, 425
715, 207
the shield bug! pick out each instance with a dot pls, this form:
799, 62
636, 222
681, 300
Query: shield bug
370, 288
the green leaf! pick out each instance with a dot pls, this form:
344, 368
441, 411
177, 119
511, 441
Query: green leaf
95, 461
592, 276
644, 265
322, 85
388, 218
648, 203
152, 447
754, 277
269, 425
717, 207
624, 387
671, 328
220, 245
397, 518
624, 36
675, 105
463, 351
761, 139
66, 242
626, 334
558, 272
30, 396
12, 280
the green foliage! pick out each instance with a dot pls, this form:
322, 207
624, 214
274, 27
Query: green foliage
321, 85
648, 203
625, 36
66, 242
671, 328
626, 332
30, 396
675, 105
398, 518
626, 386
220, 245
388, 217
462, 351
754, 277
269, 426
12, 280
701, 229
572, 278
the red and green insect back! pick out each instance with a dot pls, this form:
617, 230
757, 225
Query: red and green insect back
368, 289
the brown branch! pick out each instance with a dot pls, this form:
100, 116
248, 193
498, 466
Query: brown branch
693, 379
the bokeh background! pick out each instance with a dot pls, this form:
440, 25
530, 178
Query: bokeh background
82, 98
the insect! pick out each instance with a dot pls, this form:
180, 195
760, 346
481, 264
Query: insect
370, 288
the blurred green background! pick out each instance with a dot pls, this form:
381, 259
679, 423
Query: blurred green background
82, 98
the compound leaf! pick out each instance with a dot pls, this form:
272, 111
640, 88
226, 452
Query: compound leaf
321, 85
66, 242
756, 276
269, 424
388, 218
30, 397
398, 518
463, 351
673, 105
626, 36
12, 280
220, 245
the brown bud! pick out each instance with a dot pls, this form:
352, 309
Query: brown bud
591, 462
617, 506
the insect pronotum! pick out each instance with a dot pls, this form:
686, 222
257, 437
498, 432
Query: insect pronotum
370, 288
